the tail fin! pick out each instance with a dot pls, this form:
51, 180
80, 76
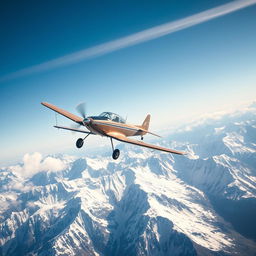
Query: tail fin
145, 125
146, 122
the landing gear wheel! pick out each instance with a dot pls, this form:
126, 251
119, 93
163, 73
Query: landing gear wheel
116, 154
79, 143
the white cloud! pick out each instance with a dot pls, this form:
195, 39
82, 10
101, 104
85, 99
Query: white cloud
52, 164
133, 39
34, 163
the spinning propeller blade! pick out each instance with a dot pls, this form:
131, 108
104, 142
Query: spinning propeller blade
81, 109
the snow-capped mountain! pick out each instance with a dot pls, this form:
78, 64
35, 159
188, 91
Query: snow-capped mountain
146, 203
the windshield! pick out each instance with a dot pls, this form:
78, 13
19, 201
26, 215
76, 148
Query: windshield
113, 117
105, 114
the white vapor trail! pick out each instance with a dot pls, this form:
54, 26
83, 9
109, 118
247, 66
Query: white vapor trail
133, 39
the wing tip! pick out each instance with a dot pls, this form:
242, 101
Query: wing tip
46, 104
179, 152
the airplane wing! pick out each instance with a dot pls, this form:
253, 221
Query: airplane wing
72, 129
63, 112
123, 138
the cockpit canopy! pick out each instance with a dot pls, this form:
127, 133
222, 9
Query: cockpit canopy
113, 117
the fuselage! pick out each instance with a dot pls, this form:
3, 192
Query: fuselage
103, 127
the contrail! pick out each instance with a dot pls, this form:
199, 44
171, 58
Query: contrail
133, 39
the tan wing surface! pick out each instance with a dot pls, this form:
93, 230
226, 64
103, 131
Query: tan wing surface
63, 112
123, 138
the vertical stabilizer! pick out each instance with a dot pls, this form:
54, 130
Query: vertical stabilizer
146, 122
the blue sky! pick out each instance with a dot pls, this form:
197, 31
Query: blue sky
198, 70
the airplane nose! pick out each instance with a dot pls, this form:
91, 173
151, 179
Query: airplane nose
86, 120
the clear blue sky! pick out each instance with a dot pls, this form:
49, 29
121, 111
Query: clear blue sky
197, 70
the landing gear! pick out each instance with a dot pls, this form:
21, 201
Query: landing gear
80, 141
141, 138
116, 152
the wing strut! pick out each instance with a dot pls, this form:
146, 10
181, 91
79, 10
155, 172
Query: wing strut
56, 120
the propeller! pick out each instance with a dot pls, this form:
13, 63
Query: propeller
81, 109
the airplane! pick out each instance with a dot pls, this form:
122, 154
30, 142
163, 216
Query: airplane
110, 125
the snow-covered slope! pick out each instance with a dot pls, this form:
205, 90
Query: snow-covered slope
146, 203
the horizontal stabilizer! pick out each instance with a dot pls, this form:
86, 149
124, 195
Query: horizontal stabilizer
146, 131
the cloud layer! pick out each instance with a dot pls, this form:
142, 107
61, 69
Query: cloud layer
34, 163
137, 38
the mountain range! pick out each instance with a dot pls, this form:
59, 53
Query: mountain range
146, 203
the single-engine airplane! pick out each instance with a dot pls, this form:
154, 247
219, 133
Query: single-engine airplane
110, 125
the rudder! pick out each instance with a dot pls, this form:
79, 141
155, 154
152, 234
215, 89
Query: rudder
145, 124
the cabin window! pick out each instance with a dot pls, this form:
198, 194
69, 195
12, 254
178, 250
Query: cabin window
113, 117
